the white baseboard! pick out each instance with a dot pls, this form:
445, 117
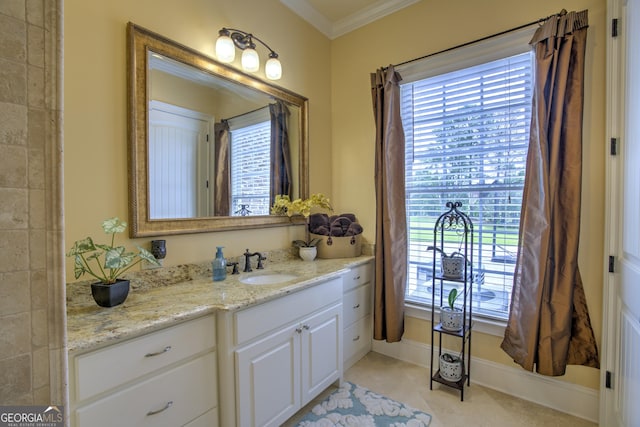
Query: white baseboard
569, 398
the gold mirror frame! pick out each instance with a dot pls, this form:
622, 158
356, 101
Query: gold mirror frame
139, 42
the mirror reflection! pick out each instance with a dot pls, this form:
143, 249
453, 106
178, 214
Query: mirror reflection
210, 146
215, 149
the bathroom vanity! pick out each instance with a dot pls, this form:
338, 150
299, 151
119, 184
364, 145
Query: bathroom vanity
203, 353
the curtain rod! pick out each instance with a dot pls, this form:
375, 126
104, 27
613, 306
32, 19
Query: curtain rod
244, 114
539, 21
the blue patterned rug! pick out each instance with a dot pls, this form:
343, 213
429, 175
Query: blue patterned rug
352, 405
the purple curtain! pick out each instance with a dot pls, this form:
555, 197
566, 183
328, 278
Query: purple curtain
549, 324
280, 154
391, 226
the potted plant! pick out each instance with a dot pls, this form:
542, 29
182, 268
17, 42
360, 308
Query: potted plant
109, 263
451, 367
452, 265
283, 205
451, 316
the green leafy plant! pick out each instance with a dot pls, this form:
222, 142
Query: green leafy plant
453, 296
451, 358
444, 255
115, 259
309, 243
283, 205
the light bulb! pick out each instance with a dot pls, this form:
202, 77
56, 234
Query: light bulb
273, 69
225, 49
250, 60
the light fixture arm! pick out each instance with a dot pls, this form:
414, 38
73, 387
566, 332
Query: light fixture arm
230, 38
244, 40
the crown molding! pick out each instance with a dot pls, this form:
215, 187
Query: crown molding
307, 12
349, 23
368, 15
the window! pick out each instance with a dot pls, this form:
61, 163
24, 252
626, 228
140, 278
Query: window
250, 166
467, 132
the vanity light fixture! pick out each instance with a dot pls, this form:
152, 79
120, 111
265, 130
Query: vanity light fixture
229, 39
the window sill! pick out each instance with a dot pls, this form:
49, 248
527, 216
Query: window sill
481, 324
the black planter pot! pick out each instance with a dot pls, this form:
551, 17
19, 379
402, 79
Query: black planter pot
110, 295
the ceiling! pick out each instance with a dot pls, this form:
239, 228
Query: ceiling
337, 17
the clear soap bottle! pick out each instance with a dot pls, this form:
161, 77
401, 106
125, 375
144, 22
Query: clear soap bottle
219, 266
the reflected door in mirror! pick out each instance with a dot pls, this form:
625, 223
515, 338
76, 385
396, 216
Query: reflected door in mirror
180, 162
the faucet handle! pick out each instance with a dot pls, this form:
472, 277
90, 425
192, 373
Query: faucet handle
235, 267
260, 259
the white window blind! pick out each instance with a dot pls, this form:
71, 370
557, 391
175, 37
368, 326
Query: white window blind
250, 168
466, 140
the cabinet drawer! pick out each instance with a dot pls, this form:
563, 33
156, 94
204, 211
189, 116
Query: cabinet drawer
357, 338
104, 369
191, 389
356, 304
357, 276
208, 419
258, 320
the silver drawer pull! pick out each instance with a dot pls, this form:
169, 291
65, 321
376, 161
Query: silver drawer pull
167, 406
299, 330
306, 327
356, 306
356, 278
158, 353
356, 338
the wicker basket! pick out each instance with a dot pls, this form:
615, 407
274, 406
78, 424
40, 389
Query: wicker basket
331, 247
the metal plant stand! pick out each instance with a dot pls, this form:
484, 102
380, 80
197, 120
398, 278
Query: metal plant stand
452, 238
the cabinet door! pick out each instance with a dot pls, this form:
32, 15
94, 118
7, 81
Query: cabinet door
321, 351
268, 378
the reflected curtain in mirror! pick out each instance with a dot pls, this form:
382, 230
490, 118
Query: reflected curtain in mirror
280, 153
223, 185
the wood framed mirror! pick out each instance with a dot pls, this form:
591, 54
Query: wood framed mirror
177, 97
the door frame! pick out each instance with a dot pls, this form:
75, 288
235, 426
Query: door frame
614, 128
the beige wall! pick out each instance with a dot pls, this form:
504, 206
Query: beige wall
32, 307
95, 105
430, 26
334, 75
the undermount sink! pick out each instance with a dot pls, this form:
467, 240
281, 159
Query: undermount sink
268, 279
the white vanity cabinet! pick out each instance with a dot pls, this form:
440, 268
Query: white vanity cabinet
164, 378
358, 314
279, 355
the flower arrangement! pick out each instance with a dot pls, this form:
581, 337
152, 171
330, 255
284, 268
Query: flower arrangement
116, 260
283, 205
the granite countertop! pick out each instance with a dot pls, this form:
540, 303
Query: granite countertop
159, 298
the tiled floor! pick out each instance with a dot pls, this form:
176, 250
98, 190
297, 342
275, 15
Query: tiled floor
409, 383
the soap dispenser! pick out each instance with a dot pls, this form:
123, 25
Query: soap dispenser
219, 266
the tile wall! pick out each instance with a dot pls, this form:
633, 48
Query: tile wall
32, 308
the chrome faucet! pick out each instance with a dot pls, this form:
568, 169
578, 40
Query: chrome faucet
247, 260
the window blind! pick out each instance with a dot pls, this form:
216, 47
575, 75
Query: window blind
250, 168
466, 137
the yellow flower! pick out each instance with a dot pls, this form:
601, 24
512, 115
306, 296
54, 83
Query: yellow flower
283, 205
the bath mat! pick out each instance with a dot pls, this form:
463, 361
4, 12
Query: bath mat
352, 405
